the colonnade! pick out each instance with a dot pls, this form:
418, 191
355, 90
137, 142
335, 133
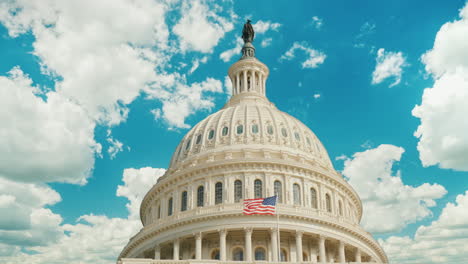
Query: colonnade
242, 83
316, 256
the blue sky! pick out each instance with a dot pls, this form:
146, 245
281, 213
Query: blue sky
96, 96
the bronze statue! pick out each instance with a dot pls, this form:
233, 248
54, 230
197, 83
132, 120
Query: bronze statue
248, 32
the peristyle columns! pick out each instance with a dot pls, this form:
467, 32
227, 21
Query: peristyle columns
176, 249
341, 253
248, 244
299, 246
322, 255
274, 244
358, 255
198, 246
222, 244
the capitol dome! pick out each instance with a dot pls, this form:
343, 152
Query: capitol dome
250, 149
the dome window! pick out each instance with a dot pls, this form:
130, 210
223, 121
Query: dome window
218, 192
270, 129
200, 196
313, 198
238, 254
237, 191
198, 139
328, 202
278, 191
297, 194
284, 132
308, 141
225, 131
296, 135
169, 207
240, 129
258, 189
254, 128
183, 204
211, 134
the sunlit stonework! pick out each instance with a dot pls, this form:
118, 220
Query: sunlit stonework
250, 149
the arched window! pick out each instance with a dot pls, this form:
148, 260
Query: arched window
183, 203
211, 134
340, 208
237, 191
260, 254
278, 191
305, 257
270, 129
215, 254
225, 131
313, 198
169, 207
188, 144
159, 212
240, 129
284, 132
238, 254
254, 128
198, 139
297, 194
328, 202
283, 255
200, 196
258, 189
296, 135
218, 193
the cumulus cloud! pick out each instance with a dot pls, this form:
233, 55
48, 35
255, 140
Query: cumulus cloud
313, 57
389, 65
228, 85
443, 140
389, 204
260, 28
43, 140
137, 182
25, 221
442, 241
185, 99
92, 239
200, 29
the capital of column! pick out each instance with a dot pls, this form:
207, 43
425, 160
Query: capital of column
222, 232
248, 230
299, 234
198, 235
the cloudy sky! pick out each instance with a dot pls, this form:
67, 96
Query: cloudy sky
95, 96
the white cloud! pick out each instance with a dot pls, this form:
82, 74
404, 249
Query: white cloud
43, 140
389, 204
200, 29
443, 140
317, 22
115, 146
365, 31
25, 221
184, 100
137, 182
317, 96
266, 42
260, 28
313, 57
444, 241
196, 64
93, 239
388, 65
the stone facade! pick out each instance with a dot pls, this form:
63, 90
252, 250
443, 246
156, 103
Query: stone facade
250, 149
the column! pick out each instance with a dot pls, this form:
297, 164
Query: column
260, 83
237, 83
244, 88
222, 245
299, 246
253, 85
341, 252
157, 252
176, 249
358, 255
274, 244
248, 244
322, 250
198, 246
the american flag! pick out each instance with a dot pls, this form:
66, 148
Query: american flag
264, 206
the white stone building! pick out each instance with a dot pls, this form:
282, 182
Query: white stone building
250, 149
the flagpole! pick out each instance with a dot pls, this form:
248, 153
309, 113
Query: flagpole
278, 230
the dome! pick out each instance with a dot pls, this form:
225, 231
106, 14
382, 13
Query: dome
251, 151
253, 124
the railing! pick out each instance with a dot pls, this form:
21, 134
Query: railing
193, 261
